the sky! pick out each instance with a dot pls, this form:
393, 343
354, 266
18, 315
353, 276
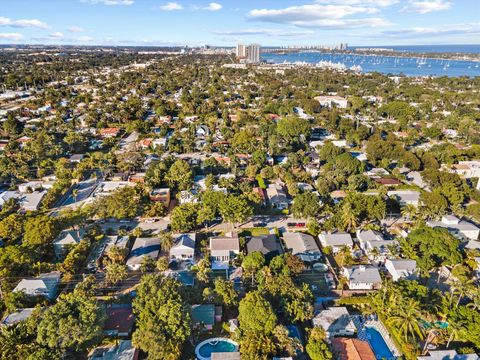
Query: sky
226, 22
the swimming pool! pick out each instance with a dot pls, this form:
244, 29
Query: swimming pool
204, 350
378, 344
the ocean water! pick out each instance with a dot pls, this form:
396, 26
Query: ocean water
410, 66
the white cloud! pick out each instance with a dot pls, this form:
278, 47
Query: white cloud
320, 16
11, 36
425, 7
56, 35
23, 23
213, 7
170, 6
379, 3
76, 29
268, 32
109, 2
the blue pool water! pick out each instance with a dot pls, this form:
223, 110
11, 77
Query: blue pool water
221, 346
378, 344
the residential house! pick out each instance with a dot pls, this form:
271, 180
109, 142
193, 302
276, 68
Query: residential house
376, 172
202, 131
447, 355
142, 248
405, 197
160, 143
31, 186
401, 269
336, 241
336, 321
387, 181
188, 197
67, 239
235, 355
224, 248
362, 277
76, 158
119, 321
26, 201
17, 316
124, 350
110, 132
461, 229
183, 247
45, 285
268, 245
161, 195
203, 316
277, 197
302, 245
330, 100
374, 244
467, 169
352, 349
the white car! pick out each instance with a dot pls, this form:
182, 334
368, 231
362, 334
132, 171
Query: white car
150, 220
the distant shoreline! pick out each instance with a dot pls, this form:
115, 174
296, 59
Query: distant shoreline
388, 53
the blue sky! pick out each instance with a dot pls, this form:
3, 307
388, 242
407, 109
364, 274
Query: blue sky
225, 22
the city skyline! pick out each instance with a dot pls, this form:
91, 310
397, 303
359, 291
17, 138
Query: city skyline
226, 22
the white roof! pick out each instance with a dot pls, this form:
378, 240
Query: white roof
403, 265
17, 316
334, 319
364, 274
300, 243
336, 239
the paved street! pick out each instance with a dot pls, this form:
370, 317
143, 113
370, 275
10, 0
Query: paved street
270, 221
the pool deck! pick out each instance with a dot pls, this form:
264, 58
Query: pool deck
361, 324
210, 340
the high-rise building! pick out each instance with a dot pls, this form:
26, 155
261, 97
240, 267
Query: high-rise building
253, 53
241, 51
249, 53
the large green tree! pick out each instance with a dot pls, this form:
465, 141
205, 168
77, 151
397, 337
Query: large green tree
163, 318
73, 323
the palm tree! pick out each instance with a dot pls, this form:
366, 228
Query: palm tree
74, 195
349, 217
166, 240
409, 212
408, 321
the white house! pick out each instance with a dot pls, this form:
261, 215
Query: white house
467, 169
26, 201
401, 269
336, 240
336, 321
373, 244
461, 229
362, 277
277, 197
66, 239
183, 247
405, 197
224, 248
329, 101
447, 355
45, 285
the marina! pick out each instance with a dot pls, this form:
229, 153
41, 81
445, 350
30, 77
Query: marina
410, 66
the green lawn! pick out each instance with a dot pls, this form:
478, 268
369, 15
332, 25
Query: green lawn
256, 231
314, 278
